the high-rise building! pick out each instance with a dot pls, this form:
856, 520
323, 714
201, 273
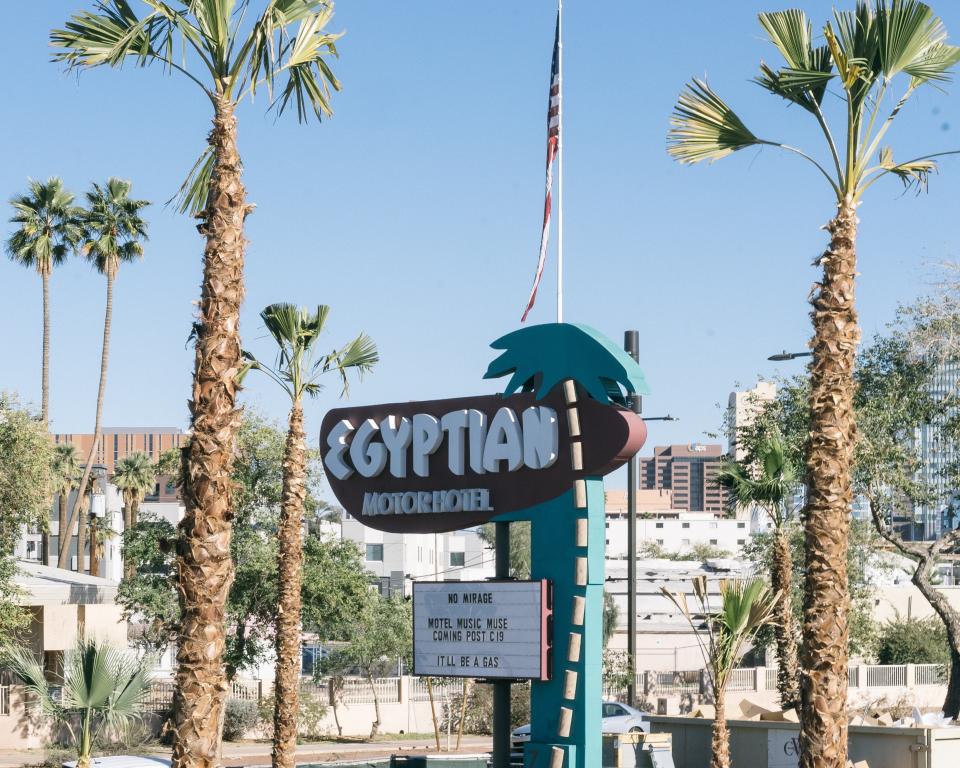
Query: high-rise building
936, 452
690, 473
742, 408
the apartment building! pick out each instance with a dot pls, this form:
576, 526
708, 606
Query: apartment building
689, 472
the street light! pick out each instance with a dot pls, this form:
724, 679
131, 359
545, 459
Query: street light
781, 356
668, 417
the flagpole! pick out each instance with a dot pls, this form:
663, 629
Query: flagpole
560, 163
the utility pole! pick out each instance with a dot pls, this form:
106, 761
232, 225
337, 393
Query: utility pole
631, 343
501, 688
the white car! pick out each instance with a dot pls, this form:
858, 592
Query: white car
617, 718
124, 761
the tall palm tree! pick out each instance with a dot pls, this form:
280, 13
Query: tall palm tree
66, 476
102, 691
863, 54
769, 482
297, 370
231, 52
113, 234
47, 230
134, 475
746, 606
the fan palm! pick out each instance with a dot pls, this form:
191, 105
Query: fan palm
230, 52
113, 234
134, 475
746, 606
47, 230
66, 477
297, 370
864, 54
769, 482
102, 691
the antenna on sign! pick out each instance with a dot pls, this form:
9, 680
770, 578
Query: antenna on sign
560, 162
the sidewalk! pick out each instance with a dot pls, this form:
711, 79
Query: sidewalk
258, 753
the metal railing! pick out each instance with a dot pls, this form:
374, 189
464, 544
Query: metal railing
4, 700
930, 674
876, 676
742, 679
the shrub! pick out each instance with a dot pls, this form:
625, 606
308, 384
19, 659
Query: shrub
240, 716
310, 725
479, 714
913, 641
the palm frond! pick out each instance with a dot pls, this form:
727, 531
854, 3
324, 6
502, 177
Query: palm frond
703, 127
914, 172
906, 30
192, 196
933, 64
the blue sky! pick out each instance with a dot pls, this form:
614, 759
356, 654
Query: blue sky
415, 211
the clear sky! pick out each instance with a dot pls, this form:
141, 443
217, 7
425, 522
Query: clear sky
415, 211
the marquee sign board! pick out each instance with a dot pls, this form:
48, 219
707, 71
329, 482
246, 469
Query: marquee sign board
490, 629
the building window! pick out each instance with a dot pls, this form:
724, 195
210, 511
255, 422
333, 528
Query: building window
713, 542
150, 449
375, 553
741, 542
685, 542
741, 525
659, 525
660, 542
685, 525
458, 558
713, 525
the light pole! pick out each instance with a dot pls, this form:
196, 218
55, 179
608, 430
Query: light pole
781, 356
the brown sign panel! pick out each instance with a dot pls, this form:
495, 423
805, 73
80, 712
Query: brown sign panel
441, 465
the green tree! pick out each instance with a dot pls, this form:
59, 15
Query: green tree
745, 608
47, 230
134, 476
113, 234
102, 689
383, 634
865, 52
26, 484
234, 52
913, 641
520, 555
297, 370
770, 482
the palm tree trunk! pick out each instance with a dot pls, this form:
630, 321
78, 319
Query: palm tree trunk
104, 357
951, 621
82, 540
823, 718
720, 735
45, 375
94, 550
205, 570
64, 535
781, 576
289, 567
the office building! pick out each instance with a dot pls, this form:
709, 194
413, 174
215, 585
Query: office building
119, 442
742, 409
936, 452
690, 473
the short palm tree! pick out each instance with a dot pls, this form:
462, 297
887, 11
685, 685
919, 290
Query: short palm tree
232, 49
102, 691
66, 477
113, 234
769, 482
134, 476
46, 231
863, 54
746, 606
297, 370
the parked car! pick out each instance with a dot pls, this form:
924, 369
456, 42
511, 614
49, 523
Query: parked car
123, 761
617, 718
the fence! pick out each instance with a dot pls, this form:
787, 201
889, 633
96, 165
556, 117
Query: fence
4, 699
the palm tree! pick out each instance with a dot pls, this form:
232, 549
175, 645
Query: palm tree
769, 482
233, 53
298, 370
47, 231
134, 476
86, 526
101, 694
113, 234
863, 53
745, 608
66, 475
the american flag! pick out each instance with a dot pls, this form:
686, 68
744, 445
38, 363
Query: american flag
553, 143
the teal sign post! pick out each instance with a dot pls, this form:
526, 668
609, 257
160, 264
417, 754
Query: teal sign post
537, 452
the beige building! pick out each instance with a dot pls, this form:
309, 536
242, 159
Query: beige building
742, 408
64, 606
